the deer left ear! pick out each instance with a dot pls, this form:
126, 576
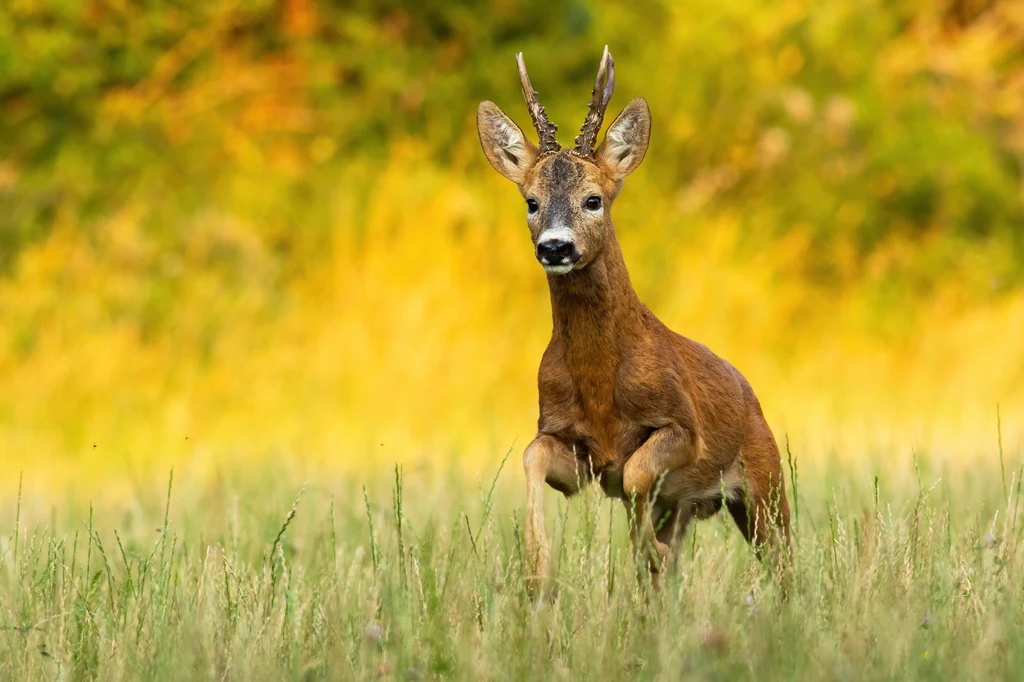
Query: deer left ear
625, 143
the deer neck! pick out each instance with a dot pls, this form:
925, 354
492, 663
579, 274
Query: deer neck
596, 317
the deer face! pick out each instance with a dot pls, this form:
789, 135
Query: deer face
568, 193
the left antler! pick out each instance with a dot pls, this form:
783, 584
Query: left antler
601, 95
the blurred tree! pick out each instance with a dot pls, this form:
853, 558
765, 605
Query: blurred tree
855, 123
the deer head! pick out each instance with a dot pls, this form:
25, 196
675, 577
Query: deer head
568, 192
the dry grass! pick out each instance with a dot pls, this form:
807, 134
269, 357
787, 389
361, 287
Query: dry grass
423, 579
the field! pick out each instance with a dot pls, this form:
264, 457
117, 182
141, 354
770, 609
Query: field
269, 324
255, 575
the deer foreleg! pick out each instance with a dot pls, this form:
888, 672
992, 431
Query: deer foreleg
668, 448
546, 461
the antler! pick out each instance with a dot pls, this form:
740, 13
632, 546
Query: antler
545, 129
601, 95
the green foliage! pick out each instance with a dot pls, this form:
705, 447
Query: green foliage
858, 124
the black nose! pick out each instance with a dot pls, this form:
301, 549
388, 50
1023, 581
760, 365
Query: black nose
557, 252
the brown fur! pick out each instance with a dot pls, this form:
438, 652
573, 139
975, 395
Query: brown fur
623, 398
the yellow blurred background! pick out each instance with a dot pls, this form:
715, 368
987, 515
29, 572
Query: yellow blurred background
240, 230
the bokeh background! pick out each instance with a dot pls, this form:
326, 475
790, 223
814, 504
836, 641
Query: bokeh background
245, 229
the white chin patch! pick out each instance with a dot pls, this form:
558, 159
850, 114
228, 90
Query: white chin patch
558, 269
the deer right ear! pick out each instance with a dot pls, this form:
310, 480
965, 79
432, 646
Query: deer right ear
504, 144
625, 143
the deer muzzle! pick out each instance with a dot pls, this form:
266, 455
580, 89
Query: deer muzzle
558, 256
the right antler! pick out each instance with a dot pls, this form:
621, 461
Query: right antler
545, 129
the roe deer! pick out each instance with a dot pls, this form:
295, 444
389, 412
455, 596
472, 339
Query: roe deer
624, 399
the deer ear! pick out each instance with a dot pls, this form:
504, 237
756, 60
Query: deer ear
503, 141
626, 141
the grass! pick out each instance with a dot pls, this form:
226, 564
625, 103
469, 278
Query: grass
251, 574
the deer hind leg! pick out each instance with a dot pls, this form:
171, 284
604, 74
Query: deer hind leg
764, 522
668, 449
546, 461
762, 511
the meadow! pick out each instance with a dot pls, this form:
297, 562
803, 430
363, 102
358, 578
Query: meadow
256, 575
270, 327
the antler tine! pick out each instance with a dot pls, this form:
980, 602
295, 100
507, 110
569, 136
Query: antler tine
545, 129
600, 96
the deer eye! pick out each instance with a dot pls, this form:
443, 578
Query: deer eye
532, 205
593, 203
